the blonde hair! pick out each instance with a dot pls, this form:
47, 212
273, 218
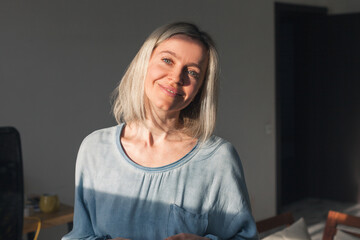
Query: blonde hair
199, 116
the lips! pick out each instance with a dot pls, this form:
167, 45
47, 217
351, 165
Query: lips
171, 90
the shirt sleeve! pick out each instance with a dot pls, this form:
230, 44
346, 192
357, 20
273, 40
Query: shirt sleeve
245, 225
246, 228
231, 216
82, 227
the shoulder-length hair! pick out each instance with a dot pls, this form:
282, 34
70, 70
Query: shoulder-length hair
199, 116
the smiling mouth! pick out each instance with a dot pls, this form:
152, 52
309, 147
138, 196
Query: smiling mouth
171, 91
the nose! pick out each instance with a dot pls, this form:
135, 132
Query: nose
177, 76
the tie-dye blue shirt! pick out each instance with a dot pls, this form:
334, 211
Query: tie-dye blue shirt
203, 193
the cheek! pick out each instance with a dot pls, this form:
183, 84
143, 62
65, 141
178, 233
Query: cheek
154, 72
148, 85
151, 75
196, 91
196, 88
192, 93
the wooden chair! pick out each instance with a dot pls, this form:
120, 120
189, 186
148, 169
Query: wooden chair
284, 219
336, 218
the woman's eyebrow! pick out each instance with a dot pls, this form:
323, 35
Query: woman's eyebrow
174, 54
170, 52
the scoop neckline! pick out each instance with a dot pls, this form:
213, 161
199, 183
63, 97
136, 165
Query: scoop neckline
164, 168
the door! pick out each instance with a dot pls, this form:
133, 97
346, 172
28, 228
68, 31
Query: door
318, 104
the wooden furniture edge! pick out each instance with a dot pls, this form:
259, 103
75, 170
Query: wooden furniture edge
284, 219
64, 215
335, 218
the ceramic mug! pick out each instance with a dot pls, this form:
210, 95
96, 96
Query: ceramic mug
49, 203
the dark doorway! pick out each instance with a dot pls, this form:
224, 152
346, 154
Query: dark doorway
317, 101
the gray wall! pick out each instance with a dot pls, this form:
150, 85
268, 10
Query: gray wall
60, 60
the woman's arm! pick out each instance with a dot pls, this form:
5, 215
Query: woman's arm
82, 228
83, 225
230, 216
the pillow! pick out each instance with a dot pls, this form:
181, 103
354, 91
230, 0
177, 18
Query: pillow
297, 230
340, 235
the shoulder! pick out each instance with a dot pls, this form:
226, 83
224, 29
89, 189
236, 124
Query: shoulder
100, 138
226, 172
219, 158
219, 149
91, 152
97, 144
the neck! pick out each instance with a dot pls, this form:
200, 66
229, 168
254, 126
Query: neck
163, 121
157, 129
151, 134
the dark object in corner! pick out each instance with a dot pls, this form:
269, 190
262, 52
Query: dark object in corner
11, 185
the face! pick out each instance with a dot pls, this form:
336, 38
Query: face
175, 73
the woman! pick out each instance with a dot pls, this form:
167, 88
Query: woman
161, 174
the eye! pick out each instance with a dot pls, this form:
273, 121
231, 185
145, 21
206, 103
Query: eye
166, 60
193, 73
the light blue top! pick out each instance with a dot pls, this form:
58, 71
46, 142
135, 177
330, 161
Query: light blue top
203, 193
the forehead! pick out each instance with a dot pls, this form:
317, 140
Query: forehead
185, 47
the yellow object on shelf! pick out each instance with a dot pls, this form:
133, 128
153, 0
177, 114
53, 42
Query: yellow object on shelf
49, 203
